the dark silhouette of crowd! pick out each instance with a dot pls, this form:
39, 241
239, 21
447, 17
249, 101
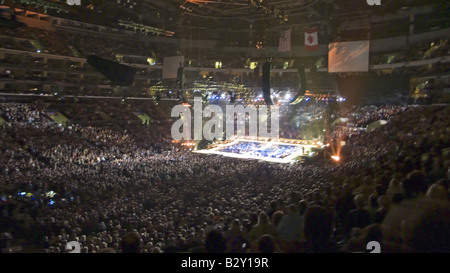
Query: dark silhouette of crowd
127, 188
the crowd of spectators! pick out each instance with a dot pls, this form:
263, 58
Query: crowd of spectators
361, 116
355, 120
115, 185
19, 113
112, 189
333, 120
74, 44
418, 51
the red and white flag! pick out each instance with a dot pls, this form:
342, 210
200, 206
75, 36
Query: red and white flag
311, 39
285, 41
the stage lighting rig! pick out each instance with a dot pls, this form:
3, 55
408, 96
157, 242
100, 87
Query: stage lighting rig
145, 29
269, 10
46, 5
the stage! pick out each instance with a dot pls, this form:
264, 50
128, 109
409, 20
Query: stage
266, 149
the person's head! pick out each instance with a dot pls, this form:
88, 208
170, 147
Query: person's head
430, 233
302, 205
359, 201
107, 250
318, 224
236, 226
395, 181
247, 225
317, 196
380, 189
373, 232
273, 205
437, 192
292, 209
214, 242
266, 244
263, 219
280, 204
414, 184
383, 201
276, 217
444, 183
131, 243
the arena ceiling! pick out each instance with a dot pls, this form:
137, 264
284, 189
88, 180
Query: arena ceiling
180, 16
241, 13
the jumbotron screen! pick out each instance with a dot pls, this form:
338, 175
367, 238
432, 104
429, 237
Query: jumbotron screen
348, 56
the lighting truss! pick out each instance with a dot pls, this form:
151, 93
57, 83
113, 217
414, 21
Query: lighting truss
46, 5
145, 29
269, 10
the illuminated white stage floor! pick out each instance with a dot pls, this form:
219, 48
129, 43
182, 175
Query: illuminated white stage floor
271, 150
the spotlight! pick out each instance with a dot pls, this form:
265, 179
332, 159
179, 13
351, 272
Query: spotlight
336, 158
